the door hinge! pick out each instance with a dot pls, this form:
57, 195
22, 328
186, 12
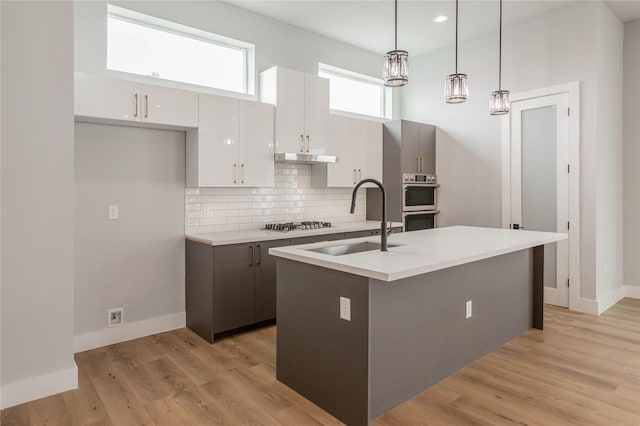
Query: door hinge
568, 225
568, 111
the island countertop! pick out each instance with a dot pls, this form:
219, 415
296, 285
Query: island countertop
420, 252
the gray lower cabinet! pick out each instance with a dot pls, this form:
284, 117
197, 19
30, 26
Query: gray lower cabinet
317, 239
231, 286
264, 289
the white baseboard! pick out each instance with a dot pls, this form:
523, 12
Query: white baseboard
128, 331
610, 299
587, 306
39, 387
553, 296
632, 291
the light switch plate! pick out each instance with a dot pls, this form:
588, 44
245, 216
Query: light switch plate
113, 212
345, 308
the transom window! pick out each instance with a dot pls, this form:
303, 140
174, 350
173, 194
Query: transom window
356, 93
145, 45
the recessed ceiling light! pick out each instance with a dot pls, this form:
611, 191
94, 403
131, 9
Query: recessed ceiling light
441, 18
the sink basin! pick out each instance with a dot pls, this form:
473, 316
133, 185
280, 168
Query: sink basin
350, 248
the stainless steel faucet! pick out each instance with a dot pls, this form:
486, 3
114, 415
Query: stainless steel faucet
383, 225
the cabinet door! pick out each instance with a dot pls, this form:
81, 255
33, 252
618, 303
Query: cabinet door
428, 148
217, 142
369, 150
100, 97
256, 136
359, 234
316, 107
232, 286
164, 105
410, 147
265, 280
289, 110
342, 142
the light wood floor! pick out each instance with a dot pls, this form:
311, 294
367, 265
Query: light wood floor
581, 370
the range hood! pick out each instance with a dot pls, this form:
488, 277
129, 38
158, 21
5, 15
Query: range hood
298, 158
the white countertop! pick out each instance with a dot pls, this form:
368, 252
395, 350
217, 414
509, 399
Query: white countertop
238, 237
421, 251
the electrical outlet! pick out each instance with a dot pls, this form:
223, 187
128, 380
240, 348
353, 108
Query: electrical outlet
113, 212
345, 308
468, 309
115, 317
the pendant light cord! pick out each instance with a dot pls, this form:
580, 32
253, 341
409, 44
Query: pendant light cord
396, 24
456, 36
500, 52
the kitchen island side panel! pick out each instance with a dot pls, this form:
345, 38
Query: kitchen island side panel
323, 357
418, 331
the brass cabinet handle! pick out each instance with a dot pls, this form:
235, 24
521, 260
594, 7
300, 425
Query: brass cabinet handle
355, 177
250, 255
421, 164
235, 173
146, 106
308, 142
417, 164
359, 174
135, 97
241, 173
259, 255
301, 143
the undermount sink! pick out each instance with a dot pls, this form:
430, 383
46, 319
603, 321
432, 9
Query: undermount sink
343, 249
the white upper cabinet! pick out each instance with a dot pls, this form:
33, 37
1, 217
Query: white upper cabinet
105, 99
302, 109
233, 145
358, 145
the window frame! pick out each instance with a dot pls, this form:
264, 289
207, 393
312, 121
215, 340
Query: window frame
143, 20
385, 94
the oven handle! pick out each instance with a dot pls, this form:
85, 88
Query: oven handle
434, 212
421, 185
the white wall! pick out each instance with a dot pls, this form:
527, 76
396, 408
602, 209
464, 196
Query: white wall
554, 48
609, 184
631, 154
137, 261
37, 200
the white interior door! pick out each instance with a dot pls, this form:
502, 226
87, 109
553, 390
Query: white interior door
540, 182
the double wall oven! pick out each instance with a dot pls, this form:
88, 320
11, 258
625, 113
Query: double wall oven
419, 201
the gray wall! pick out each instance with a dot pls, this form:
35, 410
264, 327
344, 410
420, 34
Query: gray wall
631, 153
37, 189
137, 261
469, 139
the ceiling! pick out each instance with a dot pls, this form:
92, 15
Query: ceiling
368, 24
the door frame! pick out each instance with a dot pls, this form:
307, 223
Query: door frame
573, 91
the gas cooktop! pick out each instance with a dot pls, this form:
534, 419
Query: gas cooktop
297, 226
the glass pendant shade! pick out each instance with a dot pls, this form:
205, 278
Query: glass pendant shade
456, 88
499, 102
396, 68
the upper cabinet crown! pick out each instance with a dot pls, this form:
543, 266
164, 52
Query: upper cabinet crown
233, 146
102, 99
302, 109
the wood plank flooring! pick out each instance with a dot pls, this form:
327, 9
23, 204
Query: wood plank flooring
581, 370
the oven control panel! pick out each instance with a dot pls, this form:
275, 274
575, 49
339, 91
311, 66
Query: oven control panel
422, 178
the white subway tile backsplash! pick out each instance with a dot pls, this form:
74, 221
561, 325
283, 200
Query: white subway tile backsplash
291, 199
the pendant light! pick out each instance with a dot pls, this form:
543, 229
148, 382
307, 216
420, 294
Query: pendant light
456, 87
396, 62
499, 100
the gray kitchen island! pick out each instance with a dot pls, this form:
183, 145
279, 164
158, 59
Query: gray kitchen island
360, 332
